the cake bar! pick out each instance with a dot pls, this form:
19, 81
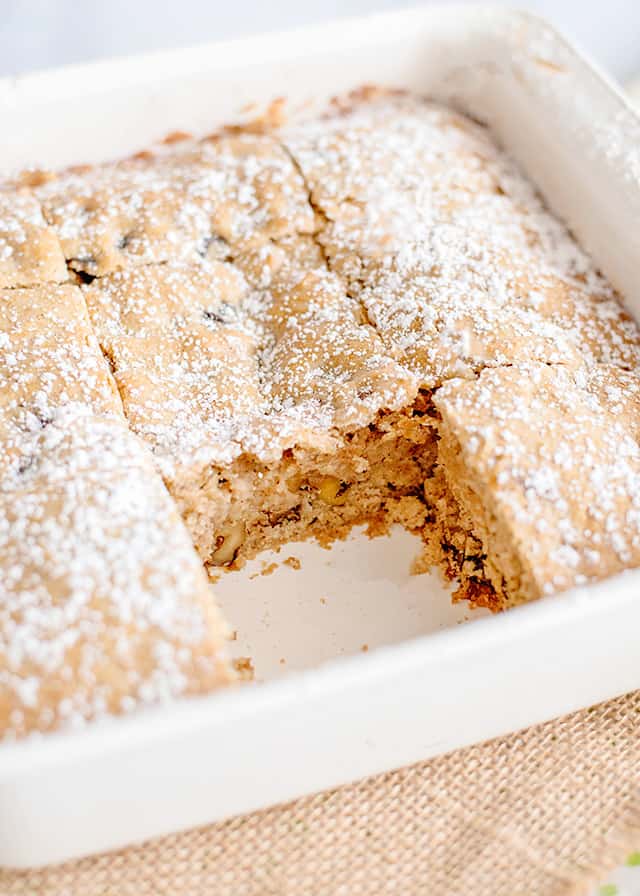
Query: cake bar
185, 201
454, 257
450, 306
104, 605
242, 394
381, 168
545, 462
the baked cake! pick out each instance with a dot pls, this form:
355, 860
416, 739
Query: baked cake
275, 334
104, 605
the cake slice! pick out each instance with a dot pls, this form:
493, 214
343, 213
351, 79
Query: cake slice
450, 251
543, 468
104, 605
382, 167
250, 400
50, 358
30, 252
448, 307
209, 199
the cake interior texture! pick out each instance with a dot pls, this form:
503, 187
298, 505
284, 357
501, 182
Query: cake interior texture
389, 472
368, 318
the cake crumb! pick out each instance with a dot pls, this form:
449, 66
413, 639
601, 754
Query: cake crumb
244, 667
293, 562
177, 137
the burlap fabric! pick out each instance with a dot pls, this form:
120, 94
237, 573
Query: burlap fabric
541, 813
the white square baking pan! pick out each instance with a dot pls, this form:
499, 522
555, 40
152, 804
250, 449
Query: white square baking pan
362, 667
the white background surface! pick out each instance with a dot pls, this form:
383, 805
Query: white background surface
42, 33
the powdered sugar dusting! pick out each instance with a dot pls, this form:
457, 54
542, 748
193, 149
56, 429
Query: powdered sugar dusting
555, 455
103, 602
448, 247
102, 598
191, 202
29, 251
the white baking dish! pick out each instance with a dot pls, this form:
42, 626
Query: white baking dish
331, 712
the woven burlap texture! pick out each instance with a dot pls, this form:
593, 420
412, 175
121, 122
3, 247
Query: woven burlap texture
541, 813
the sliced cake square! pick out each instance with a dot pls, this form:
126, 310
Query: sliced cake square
104, 605
543, 464
250, 398
209, 199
